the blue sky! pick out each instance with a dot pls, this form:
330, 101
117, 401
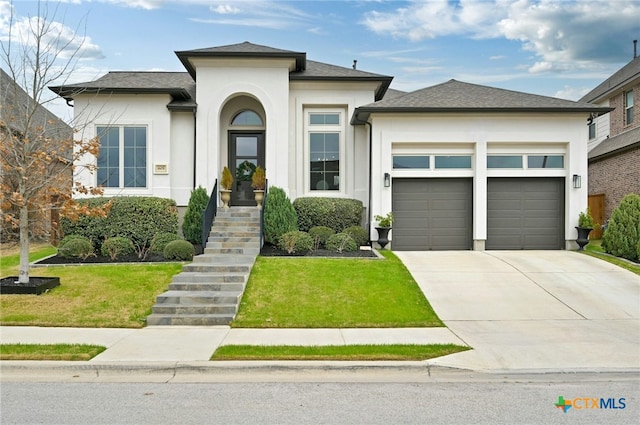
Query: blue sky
561, 48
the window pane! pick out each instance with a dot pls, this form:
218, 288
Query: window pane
324, 119
247, 118
109, 156
247, 146
324, 159
453, 161
629, 116
545, 161
592, 130
414, 161
504, 161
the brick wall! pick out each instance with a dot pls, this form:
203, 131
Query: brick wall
616, 177
617, 116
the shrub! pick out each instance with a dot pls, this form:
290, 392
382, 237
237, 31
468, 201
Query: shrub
79, 247
68, 238
258, 179
623, 232
160, 240
296, 242
585, 220
117, 247
319, 235
180, 250
134, 218
279, 215
341, 242
192, 222
359, 235
336, 213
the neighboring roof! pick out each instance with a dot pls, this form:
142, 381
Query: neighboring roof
623, 77
393, 93
325, 72
457, 96
16, 106
244, 50
616, 144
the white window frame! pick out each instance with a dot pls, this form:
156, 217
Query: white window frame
121, 188
628, 107
324, 128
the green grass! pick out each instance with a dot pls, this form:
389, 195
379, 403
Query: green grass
335, 352
594, 249
9, 263
333, 293
68, 352
119, 296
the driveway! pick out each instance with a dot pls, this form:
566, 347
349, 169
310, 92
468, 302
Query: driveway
521, 310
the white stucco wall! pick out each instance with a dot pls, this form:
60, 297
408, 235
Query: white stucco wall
479, 135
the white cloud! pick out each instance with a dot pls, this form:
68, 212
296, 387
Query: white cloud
225, 9
563, 35
258, 13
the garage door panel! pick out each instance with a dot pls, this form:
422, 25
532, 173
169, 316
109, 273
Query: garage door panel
432, 214
525, 213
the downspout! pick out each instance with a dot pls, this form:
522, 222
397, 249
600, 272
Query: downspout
367, 123
195, 146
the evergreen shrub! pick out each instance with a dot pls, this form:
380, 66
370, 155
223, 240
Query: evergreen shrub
279, 215
79, 247
180, 250
192, 222
359, 235
319, 235
296, 242
623, 232
160, 240
117, 247
336, 213
341, 242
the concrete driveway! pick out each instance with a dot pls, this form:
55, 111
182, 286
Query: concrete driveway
522, 310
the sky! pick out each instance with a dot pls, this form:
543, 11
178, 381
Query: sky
560, 48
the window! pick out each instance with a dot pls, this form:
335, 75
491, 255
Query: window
592, 129
504, 161
462, 161
325, 139
122, 162
247, 118
545, 161
410, 161
628, 107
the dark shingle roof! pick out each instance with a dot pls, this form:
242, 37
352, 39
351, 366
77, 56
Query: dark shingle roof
617, 81
616, 144
457, 96
245, 50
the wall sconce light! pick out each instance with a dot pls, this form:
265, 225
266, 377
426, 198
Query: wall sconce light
577, 181
387, 179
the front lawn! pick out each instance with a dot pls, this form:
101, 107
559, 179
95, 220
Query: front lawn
68, 352
333, 293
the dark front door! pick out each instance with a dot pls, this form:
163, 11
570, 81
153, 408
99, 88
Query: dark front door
246, 152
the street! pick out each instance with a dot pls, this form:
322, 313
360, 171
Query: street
370, 398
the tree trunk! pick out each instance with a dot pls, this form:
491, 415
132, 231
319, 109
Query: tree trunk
23, 276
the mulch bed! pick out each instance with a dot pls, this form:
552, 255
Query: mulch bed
99, 259
271, 251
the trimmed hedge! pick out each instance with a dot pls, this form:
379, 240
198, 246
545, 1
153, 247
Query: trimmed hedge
336, 213
117, 247
622, 236
160, 241
136, 218
359, 235
319, 235
192, 222
296, 242
279, 215
78, 247
180, 250
341, 242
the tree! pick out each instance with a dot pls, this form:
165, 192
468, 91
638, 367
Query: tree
37, 150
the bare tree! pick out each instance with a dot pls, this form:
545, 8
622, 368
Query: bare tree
38, 152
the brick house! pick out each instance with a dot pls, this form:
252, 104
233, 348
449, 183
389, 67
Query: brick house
614, 140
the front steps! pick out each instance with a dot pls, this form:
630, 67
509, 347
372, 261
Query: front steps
208, 291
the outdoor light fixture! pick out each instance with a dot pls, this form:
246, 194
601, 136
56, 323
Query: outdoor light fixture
387, 179
577, 181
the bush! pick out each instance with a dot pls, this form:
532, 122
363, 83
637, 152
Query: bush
279, 215
180, 250
336, 213
134, 218
296, 242
192, 222
623, 232
160, 241
78, 247
68, 238
359, 235
319, 235
341, 242
117, 247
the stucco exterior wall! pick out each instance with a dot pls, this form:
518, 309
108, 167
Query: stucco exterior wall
615, 176
480, 135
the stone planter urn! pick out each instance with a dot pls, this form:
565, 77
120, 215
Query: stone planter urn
383, 236
225, 196
259, 194
583, 237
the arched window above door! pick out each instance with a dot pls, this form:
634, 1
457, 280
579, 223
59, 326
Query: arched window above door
246, 118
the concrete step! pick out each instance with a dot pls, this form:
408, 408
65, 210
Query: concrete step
216, 268
189, 319
198, 287
198, 297
224, 259
210, 278
254, 251
181, 309
232, 241
221, 233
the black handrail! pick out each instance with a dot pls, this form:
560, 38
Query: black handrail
209, 214
264, 204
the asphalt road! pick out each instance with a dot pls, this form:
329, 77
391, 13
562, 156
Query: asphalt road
470, 400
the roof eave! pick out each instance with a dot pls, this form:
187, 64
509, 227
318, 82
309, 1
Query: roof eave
385, 82
68, 92
614, 152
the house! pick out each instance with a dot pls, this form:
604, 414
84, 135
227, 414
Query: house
22, 117
462, 166
614, 140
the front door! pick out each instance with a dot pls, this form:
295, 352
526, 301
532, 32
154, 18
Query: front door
246, 152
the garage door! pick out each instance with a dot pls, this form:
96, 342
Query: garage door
432, 214
525, 213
